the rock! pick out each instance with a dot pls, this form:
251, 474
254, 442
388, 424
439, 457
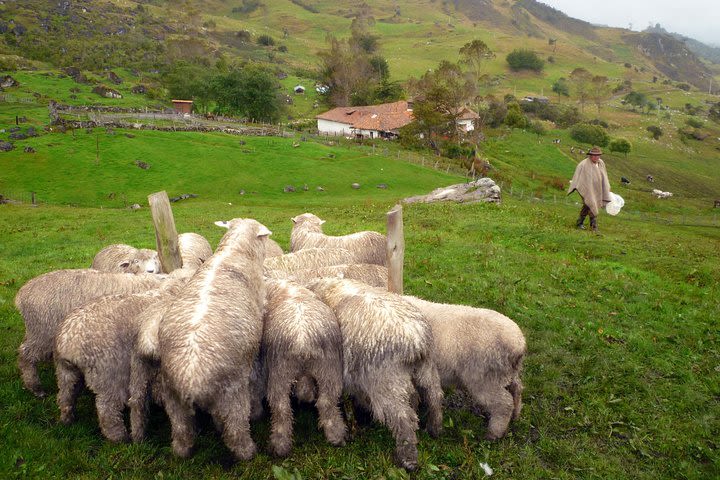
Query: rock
481, 190
320, 189
241, 192
288, 189
18, 136
383, 186
106, 92
139, 89
142, 164
184, 196
31, 132
129, 135
355, 186
6, 146
29, 149
7, 81
135, 206
76, 74
305, 188
114, 78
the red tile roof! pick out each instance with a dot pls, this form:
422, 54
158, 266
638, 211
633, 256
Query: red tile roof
384, 117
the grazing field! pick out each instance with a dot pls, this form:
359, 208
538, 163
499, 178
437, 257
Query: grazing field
621, 378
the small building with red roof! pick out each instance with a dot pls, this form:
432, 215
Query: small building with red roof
373, 121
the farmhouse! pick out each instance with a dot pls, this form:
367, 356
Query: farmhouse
466, 119
182, 106
373, 121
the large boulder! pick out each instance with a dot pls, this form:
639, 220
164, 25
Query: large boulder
106, 92
481, 190
7, 81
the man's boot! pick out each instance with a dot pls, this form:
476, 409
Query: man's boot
593, 224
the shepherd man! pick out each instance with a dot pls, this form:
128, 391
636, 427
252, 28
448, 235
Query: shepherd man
591, 182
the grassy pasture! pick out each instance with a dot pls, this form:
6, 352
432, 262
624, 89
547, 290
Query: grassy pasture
621, 377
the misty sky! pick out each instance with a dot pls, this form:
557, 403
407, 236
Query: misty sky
699, 19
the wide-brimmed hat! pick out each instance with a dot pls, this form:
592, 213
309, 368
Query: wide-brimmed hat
595, 151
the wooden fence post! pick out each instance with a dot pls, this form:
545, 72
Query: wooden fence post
166, 236
395, 249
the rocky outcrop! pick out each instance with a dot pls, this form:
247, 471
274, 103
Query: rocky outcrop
481, 190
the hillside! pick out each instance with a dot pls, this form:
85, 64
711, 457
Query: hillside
148, 35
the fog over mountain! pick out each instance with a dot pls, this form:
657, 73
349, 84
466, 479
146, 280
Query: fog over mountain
694, 18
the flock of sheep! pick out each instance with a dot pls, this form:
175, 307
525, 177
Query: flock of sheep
247, 323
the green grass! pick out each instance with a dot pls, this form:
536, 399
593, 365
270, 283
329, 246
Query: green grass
622, 330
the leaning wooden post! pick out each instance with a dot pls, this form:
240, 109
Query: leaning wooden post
166, 236
395, 249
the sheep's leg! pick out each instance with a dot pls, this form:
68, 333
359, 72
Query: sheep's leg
141, 373
231, 412
498, 403
70, 383
181, 422
280, 379
390, 401
110, 415
329, 380
305, 389
27, 362
427, 380
515, 388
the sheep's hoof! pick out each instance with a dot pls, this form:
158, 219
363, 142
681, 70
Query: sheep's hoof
121, 438
67, 418
182, 451
38, 392
280, 450
406, 458
434, 430
409, 465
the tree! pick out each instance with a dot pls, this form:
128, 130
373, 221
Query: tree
561, 87
599, 90
655, 131
251, 91
439, 98
189, 81
581, 79
620, 145
590, 134
474, 54
523, 59
515, 117
636, 99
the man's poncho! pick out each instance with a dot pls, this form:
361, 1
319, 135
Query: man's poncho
591, 182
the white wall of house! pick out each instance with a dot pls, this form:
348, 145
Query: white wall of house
333, 128
466, 125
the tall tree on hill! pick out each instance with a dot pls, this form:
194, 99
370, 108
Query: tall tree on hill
439, 98
251, 91
581, 80
599, 90
189, 81
474, 54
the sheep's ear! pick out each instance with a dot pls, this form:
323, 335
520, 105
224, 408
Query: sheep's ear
223, 224
322, 221
125, 264
263, 231
293, 219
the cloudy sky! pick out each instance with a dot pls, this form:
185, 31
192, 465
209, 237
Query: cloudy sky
699, 19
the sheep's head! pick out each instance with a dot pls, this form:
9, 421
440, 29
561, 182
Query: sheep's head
243, 229
307, 219
144, 261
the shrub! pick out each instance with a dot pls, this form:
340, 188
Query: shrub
655, 131
599, 122
683, 86
266, 40
620, 145
537, 128
523, 59
453, 150
244, 35
695, 122
591, 134
515, 118
282, 48
714, 112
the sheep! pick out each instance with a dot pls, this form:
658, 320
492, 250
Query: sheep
301, 337
370, 247
194, 250
481, 351
370, 274
284, 265
121, 258
209, 337
47, 299
661, 194
96, 342
386, 347
272, 249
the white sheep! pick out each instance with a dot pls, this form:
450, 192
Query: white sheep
121, 258
368, 273
285, 265
301, 336
387, 345
369, 247
272, 249
47, 299
194, 250
481, 351
209, 337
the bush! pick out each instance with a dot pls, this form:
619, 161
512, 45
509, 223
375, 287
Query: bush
591, 134
515, 118
620, 145
266, 40
282, 49
655, 131
598, 122
695, 122
453, 150
523, 59
683, 86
